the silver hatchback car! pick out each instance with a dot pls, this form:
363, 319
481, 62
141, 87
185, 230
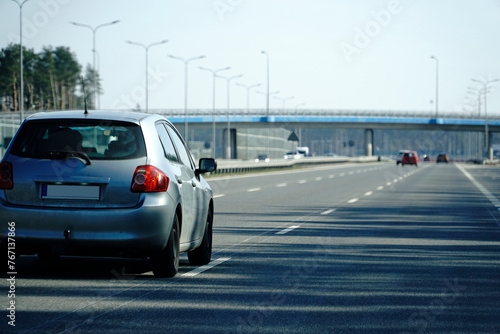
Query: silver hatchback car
106, 184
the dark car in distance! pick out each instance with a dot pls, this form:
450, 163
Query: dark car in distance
442, 158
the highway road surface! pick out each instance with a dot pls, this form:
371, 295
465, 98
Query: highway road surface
354, 248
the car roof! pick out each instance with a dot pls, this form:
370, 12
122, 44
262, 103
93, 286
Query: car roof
129, 116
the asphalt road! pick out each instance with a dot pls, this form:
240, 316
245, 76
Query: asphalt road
360, 248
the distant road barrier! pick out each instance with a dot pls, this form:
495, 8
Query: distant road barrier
243, 166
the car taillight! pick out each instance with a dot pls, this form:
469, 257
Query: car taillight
6, 181
149, 179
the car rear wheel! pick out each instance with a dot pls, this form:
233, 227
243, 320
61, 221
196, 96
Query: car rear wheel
203, 253
166, 261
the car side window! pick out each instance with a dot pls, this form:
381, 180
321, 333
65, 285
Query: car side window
181, 147
166, 142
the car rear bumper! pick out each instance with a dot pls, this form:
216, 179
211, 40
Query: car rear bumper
123, 232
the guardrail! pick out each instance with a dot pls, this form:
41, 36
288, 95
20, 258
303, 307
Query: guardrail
244, 166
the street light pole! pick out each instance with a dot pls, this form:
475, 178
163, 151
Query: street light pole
284, 99
214, 75
186, 63
477, 92
267, 81
94, 52
485, 84
146, 48
437, 83
248, 93
477, 141
228, 80
21, 97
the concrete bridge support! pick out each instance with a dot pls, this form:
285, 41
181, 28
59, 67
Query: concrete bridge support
369, 142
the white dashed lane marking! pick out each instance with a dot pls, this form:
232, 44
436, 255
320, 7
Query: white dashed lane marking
206, 267
288, 229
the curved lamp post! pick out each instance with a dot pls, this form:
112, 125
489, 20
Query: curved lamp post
94, 52
484, 90
186, 63
248, 88
267, 81
214, 75
437, 83
21, 97
283, 100
146, 48
228, 81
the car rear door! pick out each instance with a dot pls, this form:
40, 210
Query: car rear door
194, 204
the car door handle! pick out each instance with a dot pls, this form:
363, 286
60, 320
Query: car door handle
193, 184
179, 180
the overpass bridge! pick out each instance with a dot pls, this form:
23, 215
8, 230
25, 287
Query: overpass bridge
415, 120
369, 120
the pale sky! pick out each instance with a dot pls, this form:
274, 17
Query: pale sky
327, 54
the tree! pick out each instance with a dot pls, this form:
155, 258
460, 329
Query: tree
10, 76
67, 72
92, 83
50, 78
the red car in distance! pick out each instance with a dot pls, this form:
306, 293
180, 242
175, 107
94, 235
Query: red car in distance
410, 158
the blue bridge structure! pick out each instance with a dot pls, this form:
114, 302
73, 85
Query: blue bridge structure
361, 119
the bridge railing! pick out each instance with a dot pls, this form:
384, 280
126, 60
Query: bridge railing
492, 115
322, 113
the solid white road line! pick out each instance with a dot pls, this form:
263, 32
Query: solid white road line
481, 188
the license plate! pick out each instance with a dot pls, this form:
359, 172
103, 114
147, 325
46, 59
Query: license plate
62, 191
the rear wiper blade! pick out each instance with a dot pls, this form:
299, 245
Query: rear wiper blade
67, 155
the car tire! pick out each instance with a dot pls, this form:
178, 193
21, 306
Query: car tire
203, 254
166, 261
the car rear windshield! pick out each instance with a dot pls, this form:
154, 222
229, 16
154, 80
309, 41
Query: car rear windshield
96, 139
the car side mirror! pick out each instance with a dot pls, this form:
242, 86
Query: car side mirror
206, 165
